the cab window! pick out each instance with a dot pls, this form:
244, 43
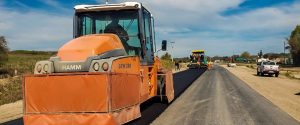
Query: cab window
122, 23
148, 36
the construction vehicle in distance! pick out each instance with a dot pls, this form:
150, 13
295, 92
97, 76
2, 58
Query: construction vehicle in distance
104, 74
198, 59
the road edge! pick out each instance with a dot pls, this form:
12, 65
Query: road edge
272, 101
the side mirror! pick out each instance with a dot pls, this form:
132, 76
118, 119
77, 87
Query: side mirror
164, 45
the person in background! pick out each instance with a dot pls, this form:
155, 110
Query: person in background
176, 66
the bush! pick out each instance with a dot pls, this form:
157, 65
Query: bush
3, 50
168, 64
4, 71
11, 91
251, 66
11, 87
290, 75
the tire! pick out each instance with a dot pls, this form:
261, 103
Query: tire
257, 73
261, 74
161, 89
276, 75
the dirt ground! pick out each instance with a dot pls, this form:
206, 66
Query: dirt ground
11, 111
282, 91
3, 81
292, 69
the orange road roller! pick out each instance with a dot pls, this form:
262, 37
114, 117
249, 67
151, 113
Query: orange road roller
104, 74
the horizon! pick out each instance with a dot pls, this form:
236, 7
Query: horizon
220, 27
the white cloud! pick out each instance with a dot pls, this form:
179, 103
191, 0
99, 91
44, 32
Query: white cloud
225, 46
35, 30
193, 24
262, 28
55, 4
21, 4
279, 18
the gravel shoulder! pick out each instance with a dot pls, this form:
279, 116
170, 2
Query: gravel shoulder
281, 91
11, 111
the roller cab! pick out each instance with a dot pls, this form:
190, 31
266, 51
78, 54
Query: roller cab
102, 75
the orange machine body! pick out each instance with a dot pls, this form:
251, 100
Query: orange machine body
97, 79
93, 98
90, 45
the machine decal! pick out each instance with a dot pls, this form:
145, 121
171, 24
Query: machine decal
71, 67
124, 66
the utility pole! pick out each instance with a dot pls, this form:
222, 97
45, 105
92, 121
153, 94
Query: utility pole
172, 50
284, 52
232, 58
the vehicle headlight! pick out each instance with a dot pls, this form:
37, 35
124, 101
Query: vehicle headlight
39, 68
43, 67
105, 66
46, 68
96, 66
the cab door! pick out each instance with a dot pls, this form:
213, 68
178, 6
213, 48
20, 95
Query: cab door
148, 37
147, 57
147, 69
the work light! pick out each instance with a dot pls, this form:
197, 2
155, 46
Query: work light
105, 66
96, 66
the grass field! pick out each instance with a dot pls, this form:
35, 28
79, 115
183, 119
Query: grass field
23, 62
20, 63
290, 72
168, 64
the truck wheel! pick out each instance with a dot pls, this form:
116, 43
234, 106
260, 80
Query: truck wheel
276, 75
261, 74
161, 91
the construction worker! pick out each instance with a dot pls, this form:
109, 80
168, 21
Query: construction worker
115, 28
177, 66
209, 65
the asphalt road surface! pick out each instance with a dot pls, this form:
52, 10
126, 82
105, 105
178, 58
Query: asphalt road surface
220, 98
153, 108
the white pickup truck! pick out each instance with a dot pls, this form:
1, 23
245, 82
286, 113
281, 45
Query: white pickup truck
267, 67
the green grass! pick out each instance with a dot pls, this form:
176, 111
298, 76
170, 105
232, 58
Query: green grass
24, 63
251, 66
290, 75
11, 91
168, 64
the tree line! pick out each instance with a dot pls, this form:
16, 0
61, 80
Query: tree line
294, 42
3, 50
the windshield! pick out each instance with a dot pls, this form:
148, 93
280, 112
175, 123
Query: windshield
195, 57
122, 23
269, 63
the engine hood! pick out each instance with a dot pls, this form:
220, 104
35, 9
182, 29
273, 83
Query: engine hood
81, 48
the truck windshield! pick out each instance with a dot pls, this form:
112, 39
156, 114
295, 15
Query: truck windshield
269, 63
122, 23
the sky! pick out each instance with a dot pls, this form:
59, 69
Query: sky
220, 27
